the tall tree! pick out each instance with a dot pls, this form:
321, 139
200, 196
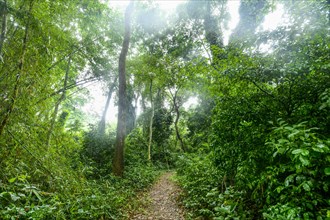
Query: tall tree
118, 160
151, 121
177, 103
203, 13
251, 15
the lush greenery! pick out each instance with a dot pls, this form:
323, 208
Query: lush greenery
266, 152
255, 145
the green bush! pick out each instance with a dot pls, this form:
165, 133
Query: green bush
97, 151
298, 179
205, 192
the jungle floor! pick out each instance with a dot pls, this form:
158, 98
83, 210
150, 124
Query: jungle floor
161, 202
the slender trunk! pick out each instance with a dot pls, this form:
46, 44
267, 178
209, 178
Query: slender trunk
18, 76
118, 160
3, 25
177, 111
143, 103
57, 105
136, 106
183, 147
106, 107
151, 121
144, 109
130, 112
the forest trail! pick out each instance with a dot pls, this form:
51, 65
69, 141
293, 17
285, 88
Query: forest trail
162, 201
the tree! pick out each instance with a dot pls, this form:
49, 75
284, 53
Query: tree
118, 160
151, 118
251, 16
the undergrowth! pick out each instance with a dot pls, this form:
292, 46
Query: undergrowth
205, 194
66, 182
293, 185
22, 198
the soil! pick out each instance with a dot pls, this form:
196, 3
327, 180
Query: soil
162, 201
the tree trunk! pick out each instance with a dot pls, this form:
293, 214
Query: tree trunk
183, 147
106, 107
130, 119
212, 34
57, 105
3, 25
251, 15
19, 74
144, 110
177, 111
136, 99
118, 160
151, 121
143, 103
328, 5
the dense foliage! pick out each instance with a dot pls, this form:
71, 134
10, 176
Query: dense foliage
268, 138
256, 144
52, 167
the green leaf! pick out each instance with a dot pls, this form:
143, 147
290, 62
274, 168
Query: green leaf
293, 134
281, 141
306, 187
279, 189
37, 195
297, 151
14, 197
12, 180
305, 152
281, 150
320, 145
316, 149
274, 155
304, 160
327, 171
289, 179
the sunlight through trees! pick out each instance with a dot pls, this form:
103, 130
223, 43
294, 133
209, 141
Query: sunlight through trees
99, 98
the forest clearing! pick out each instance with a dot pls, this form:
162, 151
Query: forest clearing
159, 109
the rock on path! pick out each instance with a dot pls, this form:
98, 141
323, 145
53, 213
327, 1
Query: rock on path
163, 201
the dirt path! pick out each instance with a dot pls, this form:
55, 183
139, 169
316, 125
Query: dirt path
163, 203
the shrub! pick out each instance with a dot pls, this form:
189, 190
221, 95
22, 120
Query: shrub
298, 179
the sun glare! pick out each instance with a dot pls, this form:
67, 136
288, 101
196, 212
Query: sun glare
191, 102
233, 7
169, 5
95, 106
166, 5
274, 18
